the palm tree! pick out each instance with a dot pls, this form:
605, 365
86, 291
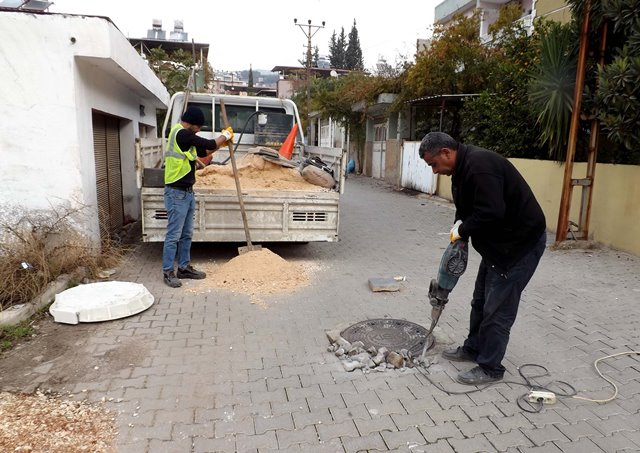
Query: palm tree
552, 88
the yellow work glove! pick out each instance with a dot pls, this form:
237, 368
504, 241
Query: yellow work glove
227, 133
453, 234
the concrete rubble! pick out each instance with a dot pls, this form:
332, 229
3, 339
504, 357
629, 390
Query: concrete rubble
354, 356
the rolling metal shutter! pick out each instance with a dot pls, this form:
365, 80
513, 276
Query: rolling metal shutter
106, 147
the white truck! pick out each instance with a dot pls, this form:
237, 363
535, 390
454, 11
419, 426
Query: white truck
273, 215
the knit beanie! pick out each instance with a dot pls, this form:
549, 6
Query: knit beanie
193, 115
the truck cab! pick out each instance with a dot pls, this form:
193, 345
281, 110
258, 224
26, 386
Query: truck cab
256, 121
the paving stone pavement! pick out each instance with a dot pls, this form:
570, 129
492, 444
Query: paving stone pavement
218, 373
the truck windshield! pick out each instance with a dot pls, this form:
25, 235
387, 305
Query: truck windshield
237, 116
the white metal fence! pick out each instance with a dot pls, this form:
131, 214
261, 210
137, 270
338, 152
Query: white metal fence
416, 174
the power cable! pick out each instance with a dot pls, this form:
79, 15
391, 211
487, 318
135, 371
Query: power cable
554, 386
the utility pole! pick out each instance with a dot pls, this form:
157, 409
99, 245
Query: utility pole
568, 181
309, 31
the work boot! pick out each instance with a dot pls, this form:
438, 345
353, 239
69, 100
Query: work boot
190, 272
476, 376
171, 280
458, 355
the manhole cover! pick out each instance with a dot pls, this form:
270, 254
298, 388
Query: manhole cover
394, 334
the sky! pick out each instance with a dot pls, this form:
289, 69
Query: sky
262, 33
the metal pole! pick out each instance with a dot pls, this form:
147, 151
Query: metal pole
565, 200
193, 55
309, 33
587, 191
309, 68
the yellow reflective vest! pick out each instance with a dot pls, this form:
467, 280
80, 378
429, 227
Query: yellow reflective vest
177, 162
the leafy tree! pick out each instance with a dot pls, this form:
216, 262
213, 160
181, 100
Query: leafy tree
172, 70
353, 54
611, 90
456, 62
386, 70
335, 97
617, 99
501, 118
618, 94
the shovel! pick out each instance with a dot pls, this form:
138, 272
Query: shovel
249, 247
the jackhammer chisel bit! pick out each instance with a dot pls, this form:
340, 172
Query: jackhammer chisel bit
452, 266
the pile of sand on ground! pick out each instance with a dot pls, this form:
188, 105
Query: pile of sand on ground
257, 273
254, 173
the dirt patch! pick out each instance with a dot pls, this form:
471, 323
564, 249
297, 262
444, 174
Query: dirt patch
48, 423
258, 274
576, 245
56, 358
255, 173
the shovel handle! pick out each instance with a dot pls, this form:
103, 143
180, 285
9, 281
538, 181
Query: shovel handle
236, 177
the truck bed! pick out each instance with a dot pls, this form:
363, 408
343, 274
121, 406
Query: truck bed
273, 216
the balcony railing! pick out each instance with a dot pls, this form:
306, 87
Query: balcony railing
525, 21
449, 7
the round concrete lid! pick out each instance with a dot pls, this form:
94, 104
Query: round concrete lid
102, 301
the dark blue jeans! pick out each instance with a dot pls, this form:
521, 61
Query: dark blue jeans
180, 205
494, 307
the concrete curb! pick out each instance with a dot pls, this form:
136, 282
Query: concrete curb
18, 313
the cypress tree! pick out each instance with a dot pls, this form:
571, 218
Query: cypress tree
353, 53
333, 52
341, 50
316, 57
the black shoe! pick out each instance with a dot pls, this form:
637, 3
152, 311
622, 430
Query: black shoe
171, 280
458, 355
476, 376
190, 272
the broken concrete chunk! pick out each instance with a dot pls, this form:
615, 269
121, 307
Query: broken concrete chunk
351, 365
363, 357
378, 359
344, 344
377, 284
333, 335
357, 348
395, 359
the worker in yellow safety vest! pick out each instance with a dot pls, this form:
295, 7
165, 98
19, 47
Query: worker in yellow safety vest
183, 148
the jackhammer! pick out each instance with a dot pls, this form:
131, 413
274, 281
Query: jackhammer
452, 266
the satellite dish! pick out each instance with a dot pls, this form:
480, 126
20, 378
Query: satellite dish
333, 73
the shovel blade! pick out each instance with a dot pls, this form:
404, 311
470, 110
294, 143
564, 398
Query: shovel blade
248, 248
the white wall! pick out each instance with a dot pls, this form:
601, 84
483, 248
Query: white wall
57, 69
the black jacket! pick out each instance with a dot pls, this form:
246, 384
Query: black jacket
496, 205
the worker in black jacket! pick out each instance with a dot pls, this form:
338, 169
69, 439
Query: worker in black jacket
497, 210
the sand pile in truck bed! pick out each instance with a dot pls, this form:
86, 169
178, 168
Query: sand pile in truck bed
255, 173
257, 273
